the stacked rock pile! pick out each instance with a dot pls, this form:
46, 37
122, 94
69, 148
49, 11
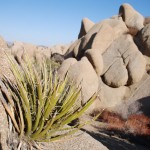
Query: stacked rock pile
111, 57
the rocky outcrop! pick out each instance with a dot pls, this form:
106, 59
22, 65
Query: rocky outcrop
111, 49
61, 49
110, 58
80, 141
86, 25
123, 63
3, 127
109, 97
95, 57
82, 74
141, 94
143, 40
3, 43
4, 65
99, 37
18, 49
68, 63
133, 19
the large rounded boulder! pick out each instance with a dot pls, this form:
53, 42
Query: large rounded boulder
123, 63
133, 19
82, 74
106, 52
143, 40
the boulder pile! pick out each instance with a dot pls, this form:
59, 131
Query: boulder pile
111, 58
18, 49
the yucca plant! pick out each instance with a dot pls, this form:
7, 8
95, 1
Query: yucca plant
38, 103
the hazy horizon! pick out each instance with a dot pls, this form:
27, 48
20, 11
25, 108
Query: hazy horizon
47, 22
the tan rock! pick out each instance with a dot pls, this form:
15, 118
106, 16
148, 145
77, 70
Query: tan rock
133, 59
109, 97
146, 21
3, 127
42, 52
70, 51
4, 63
138, 100
19, 49
82, 73
103, 38
76, 49
3, 43
65, 67
95, 58
118, 26
102, 34
117, 74
133, 62
141, 94
143, 40
86, 25
81, 140
133, 19
60, 49
65, 47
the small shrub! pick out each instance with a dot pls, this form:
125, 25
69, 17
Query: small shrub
38, 103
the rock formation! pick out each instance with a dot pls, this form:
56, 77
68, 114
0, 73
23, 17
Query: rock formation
118, 50
110, 58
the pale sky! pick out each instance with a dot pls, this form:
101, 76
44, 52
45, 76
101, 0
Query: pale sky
50, 22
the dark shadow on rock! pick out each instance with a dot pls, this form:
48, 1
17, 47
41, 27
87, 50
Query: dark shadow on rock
88, 46
113, 142
0, 147
141, 44
145, 105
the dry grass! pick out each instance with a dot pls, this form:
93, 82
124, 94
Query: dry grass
136, 124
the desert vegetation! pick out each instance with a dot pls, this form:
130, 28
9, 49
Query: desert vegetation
43, 94
39, 104
135, 124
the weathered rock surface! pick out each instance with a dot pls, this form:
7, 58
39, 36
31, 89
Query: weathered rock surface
110, 97
86, 25
4, 65
3, 128
143, 40
123, 63
3, 43
83, 74
18, 49
95, 57
80, 141
116, 75
100, 36
61, 49
113, 54
104, 59
102, 39
44, 51
133, 19
65, 66
141, 94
